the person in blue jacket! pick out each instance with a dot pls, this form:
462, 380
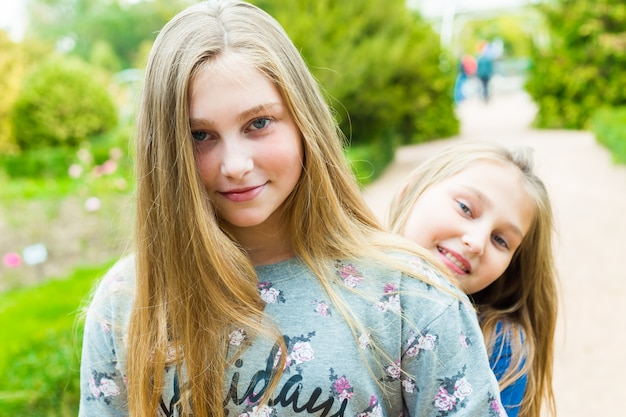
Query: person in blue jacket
485, 71
480, 209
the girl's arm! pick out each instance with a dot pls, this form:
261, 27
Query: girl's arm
102, 368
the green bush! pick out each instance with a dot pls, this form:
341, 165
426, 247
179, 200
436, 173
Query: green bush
583, 66
609, 126
61, 103
41, 341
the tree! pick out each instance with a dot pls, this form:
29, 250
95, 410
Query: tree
379, 65
101, 28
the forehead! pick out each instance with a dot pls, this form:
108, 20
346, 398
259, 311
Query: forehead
230, 82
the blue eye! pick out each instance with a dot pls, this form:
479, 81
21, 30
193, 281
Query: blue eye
260, 123
199, 136
464, 208
500, 242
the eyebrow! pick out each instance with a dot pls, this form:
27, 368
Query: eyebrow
486, 200
242, 117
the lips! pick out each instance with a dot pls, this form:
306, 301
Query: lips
241, 195
454, 261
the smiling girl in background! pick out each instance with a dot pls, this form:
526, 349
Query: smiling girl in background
483, 213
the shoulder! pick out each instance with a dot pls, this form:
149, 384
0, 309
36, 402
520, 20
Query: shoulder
115, 291
418, 284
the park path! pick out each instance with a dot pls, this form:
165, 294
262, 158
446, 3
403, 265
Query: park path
588, 193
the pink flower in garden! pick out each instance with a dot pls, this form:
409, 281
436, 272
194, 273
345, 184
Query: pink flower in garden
108, 167
92, 204
75, 171
12, 260
115, 153
84, 156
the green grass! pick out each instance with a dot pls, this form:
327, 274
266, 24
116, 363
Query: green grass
41, 331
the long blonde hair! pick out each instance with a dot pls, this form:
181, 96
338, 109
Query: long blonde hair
194, 282
524, 298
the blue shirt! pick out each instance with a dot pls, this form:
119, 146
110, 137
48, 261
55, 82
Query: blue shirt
500, 361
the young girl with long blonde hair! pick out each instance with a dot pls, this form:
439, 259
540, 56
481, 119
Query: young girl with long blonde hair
482, 211
261, 284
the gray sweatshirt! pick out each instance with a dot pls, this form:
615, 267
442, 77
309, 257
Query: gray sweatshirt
434, 361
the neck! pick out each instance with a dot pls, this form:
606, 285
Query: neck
265, 244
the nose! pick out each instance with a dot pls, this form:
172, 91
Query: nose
237, 160
474, 243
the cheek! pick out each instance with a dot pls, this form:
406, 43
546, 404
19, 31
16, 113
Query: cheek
207, 169
419, 228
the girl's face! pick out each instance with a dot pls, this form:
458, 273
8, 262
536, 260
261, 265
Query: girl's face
473, 221
247, 145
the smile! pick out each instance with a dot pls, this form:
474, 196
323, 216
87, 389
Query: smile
462, 266
244, 194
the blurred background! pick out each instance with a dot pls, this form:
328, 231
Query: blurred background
396, 73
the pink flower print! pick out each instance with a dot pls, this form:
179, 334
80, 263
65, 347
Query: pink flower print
413, 351
342, 384
93, 388
373, 400
270, 296
394, 303
350, 275
394, 371
105, 327
463, 340
497, 408
364, 341
263, 411
427, 342
236, 337
109, 388
343, 389
322, 308
279, 353
389, 288
462, 388
409, 385
302, 352
443, 400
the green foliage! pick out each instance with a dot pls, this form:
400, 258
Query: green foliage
61, 103
14, 60
379, 66
582, 68
41, 341
515, 31
120, 25
609, 126
55, 162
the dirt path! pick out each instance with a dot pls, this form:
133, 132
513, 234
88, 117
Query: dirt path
588, 192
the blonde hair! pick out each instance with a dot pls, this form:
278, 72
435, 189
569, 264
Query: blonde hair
194, 282
524, 298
